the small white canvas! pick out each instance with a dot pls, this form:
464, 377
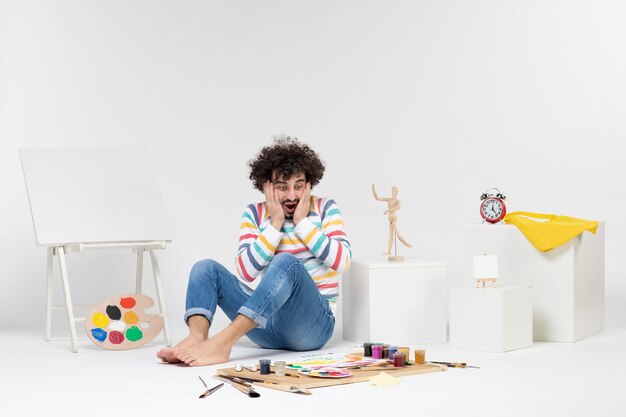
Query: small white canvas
485, 266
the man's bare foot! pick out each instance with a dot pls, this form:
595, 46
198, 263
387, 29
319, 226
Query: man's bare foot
169, 355
212, 351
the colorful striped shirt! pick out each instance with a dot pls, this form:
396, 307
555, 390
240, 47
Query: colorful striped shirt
318, 242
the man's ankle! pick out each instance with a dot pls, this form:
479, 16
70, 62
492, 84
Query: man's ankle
198, 327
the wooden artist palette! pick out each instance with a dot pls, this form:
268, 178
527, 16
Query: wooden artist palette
303, 381
120, 322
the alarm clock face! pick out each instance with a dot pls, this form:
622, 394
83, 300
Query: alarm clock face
492, 210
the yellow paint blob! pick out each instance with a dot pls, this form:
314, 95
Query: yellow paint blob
130, 317
100, 320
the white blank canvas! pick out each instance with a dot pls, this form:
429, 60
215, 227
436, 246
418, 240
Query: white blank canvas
100, 194
485, 266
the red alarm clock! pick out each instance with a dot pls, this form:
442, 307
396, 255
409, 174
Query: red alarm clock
492, 207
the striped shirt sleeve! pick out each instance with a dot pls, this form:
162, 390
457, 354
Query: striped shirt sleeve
256, 246
330, 243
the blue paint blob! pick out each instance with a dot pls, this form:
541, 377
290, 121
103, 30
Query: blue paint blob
99, 334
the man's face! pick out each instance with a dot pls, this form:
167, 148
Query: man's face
289, 192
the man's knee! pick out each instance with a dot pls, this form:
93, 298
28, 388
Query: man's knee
285, 265
204, 269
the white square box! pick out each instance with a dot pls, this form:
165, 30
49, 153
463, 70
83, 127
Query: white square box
567, 282
395, 302
491, 319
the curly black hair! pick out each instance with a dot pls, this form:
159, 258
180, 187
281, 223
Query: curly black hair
286, 157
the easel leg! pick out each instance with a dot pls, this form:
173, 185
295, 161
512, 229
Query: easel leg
139, 270
49, 294
68, 298
159, 290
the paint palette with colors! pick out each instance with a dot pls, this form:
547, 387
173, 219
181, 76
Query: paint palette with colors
120, 322
327, 372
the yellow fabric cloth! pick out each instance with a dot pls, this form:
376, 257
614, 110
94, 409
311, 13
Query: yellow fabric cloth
548, 231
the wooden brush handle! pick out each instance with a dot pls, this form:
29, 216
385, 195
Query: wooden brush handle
284, 387
245, 389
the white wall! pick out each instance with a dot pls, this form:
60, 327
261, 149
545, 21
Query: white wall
442, 98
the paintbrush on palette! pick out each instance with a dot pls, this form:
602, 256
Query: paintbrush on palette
455, 364
240, 384
283, 387
271, 384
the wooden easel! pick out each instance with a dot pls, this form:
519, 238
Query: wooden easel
93, 199
483, 281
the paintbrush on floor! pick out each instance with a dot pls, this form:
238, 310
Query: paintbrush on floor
209, 391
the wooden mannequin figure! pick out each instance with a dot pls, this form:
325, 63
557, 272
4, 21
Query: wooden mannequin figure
393, 205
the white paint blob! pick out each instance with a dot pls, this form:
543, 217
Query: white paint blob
117, 325
145, 325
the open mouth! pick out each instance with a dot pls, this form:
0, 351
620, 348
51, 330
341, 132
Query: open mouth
290, 207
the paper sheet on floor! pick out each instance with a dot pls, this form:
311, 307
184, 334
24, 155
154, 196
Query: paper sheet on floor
383, 379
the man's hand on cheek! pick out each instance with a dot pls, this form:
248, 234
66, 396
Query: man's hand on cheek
302, 210
274, 208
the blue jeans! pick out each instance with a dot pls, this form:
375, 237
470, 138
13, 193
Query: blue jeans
287, 307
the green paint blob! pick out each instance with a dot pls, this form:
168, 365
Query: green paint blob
133, 333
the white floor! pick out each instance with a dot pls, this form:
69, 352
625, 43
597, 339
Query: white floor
587, 378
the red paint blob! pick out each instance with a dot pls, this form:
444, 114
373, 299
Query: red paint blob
116, 337
127, 302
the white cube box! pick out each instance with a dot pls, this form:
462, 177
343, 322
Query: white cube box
567, 282
395, 302
491, 319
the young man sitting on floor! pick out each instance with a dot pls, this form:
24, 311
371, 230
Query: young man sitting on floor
293, 244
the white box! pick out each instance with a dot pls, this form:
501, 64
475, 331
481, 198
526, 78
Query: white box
395, 302
491, 319
567, 282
